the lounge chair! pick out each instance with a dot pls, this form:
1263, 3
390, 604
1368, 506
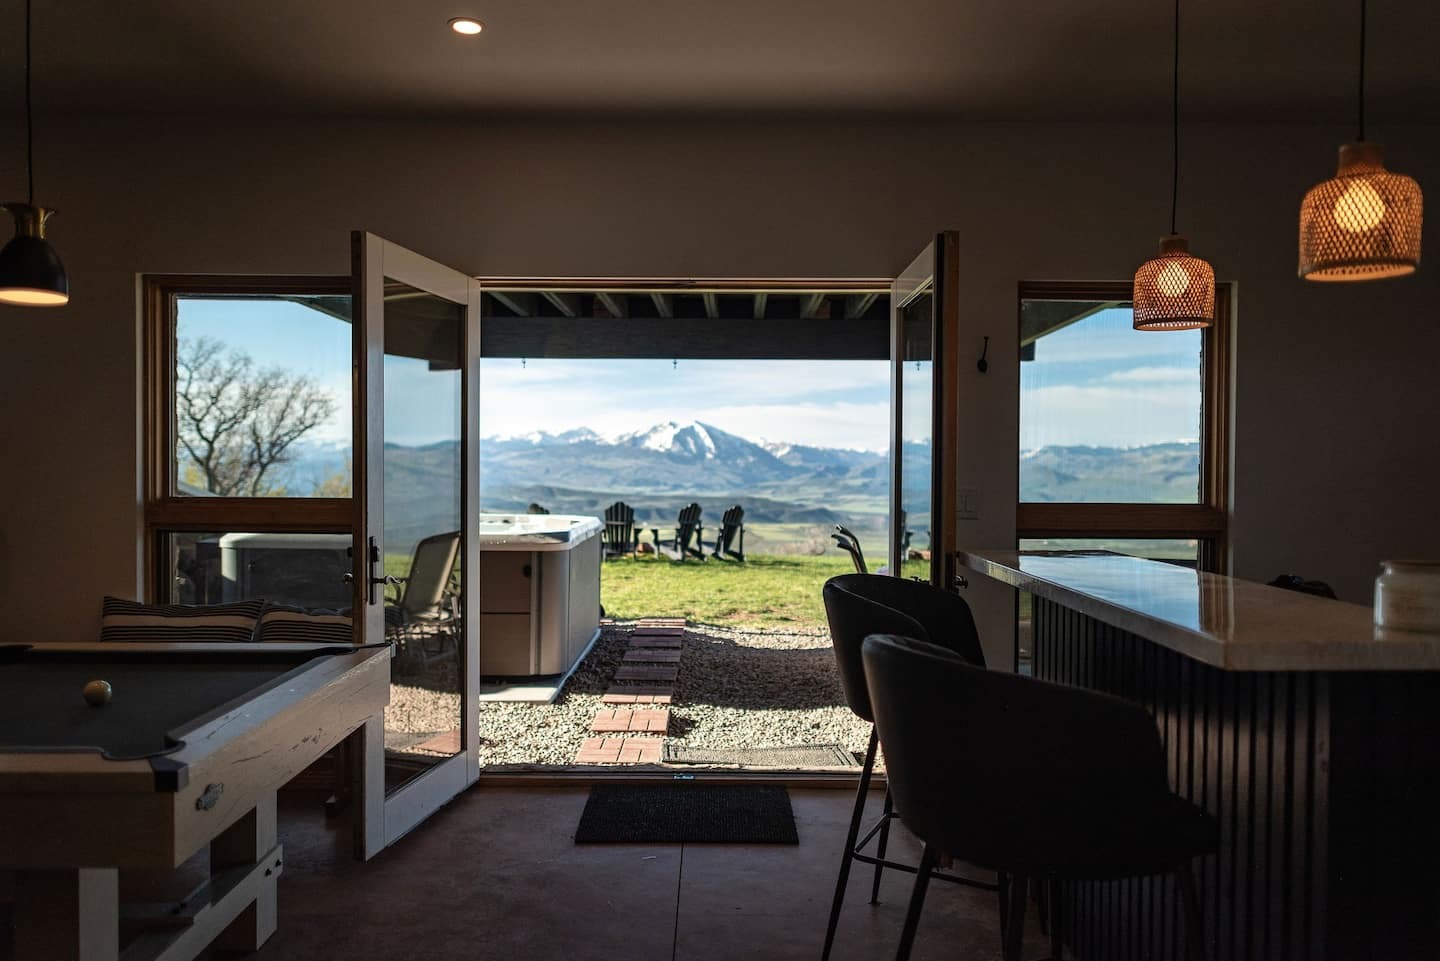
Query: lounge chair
620, 536
688, 531
732, 526
426, 614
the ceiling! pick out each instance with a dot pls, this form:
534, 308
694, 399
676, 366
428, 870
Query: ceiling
1013, 59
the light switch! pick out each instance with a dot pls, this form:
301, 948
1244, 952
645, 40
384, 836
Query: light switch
969, 506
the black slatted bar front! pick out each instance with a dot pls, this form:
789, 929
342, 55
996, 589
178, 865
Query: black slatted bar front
1326, 786
1241, 745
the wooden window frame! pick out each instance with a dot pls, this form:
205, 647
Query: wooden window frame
165, 511
1206, 521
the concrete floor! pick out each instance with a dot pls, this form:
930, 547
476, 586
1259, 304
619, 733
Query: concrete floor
497, 875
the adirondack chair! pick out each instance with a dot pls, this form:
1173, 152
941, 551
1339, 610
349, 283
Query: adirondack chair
732, 526
620, 536
688, 531
846, 540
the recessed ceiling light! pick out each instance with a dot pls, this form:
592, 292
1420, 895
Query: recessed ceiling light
466, 26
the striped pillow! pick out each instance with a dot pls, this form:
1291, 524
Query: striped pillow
298, 625
122, 620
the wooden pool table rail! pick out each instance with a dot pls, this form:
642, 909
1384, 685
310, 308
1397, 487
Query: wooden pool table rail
69, 821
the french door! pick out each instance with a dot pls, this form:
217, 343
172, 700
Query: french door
417, 485
925, 311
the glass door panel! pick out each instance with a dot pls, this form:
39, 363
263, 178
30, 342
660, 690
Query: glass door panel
417, 495
917, 385
423, 490
923, 491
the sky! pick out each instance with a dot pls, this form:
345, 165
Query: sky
1101, 383
1097, 382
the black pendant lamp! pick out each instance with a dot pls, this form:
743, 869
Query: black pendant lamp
1363, 223
1176, 290
31, 274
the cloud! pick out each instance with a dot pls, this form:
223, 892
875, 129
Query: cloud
1155, 375
1107, 416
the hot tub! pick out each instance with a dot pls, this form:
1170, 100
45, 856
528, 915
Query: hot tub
539, 584
539, 592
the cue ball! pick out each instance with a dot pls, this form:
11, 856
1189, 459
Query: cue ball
97, 693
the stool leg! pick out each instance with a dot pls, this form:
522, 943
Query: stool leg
880, 849
1052, 919
1015, 921
1002, 886
1190, 901
849, 855
917, 902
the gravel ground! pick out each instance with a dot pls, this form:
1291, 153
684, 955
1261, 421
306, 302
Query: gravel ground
736, 689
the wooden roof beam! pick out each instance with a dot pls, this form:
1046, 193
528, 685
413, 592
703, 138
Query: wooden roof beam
760, 300
522, 305
567, 304
614, 303
855, 306
810, 305
664, 304
712, 306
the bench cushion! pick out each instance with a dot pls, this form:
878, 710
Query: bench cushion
124, 620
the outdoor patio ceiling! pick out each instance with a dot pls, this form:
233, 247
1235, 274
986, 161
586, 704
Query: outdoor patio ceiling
750, 325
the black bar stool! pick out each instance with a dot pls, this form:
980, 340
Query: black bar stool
857, 605
1075, 782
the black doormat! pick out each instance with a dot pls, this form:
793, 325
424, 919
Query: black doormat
687, 813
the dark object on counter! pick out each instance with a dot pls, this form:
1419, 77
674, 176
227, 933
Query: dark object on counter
1092, 800
1294, 582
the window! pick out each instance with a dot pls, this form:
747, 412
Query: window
1122, 432
249, 414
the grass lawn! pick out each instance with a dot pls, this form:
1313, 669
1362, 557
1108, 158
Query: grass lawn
775, 591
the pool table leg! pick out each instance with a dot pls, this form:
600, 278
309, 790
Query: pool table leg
70, 915
366, 763
243, 844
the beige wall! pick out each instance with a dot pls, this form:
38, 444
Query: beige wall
1335, 441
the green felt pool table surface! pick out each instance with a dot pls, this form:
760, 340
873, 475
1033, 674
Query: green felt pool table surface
157, 696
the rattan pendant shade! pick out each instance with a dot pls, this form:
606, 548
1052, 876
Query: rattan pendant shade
1176, 290
1362, 224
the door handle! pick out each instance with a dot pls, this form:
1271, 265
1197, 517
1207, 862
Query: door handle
373, 553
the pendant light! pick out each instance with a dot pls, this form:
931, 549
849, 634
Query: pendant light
31, 274
1363, 223
1176, 290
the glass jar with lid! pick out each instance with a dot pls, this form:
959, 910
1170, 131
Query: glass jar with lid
1407, 596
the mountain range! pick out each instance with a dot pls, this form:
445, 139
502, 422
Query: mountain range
662, 468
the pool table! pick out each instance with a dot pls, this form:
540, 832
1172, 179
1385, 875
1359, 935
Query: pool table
189, 751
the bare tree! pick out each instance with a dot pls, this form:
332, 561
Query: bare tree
237, 423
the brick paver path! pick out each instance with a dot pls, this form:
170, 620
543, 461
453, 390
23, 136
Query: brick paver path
619, 750
639, 694
656, 641
647, 672
642, 721
651, 655
644, 679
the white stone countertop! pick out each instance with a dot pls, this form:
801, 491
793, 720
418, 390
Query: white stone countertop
1222, 621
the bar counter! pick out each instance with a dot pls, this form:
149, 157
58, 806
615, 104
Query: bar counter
1312, 737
